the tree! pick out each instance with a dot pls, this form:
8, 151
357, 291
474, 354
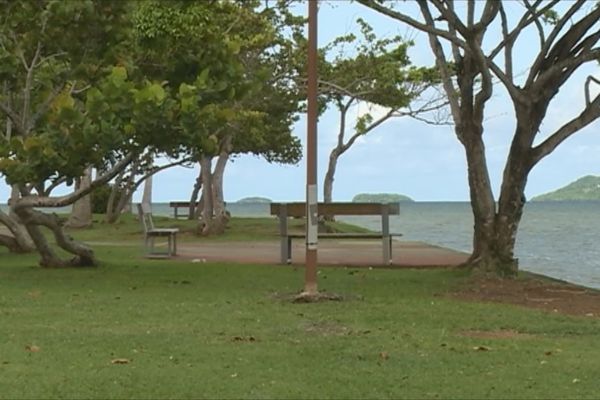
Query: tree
225, 92
112, 123
568, 38
39, 65
379, 74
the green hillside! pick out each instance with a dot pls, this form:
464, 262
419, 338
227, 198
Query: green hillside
586, 188
380, 198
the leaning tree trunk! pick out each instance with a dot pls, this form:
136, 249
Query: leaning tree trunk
81, 214
329, 175
192, 212
19, 240
83, 256
205, 222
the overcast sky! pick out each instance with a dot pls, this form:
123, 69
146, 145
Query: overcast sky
405, 156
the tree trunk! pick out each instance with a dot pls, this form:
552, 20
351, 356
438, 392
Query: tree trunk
147, 194
221, 215
205, 223
194, 196
81, 214
117, 207
83, 255
329, 176
20, 242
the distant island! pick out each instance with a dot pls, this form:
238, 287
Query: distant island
262, 200
586, 188
380, 198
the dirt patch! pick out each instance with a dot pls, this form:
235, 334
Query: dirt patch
535, 292
501, 334
327, 328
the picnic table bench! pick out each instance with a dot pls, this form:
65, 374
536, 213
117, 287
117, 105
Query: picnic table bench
176, 205
298, 209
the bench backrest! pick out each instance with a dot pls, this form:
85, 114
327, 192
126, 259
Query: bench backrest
145, 213
298, 209
181, 204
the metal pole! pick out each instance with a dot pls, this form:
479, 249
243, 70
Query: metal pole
310, 275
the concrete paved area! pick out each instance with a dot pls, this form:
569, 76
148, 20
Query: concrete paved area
331, 252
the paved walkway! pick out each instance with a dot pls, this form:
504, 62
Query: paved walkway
331, 252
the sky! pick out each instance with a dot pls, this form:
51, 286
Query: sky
404, 156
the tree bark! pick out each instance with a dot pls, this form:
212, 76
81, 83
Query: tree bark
83, 255
221, 216
118, 206
205, 225
192, 212
19, 242
329, 175
81, 214
147, 194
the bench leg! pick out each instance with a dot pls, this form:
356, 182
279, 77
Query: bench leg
174, 253
284, 250
387, 250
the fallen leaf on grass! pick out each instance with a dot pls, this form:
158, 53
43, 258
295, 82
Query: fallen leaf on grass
120, 361
384, 355
482, 348
32, 348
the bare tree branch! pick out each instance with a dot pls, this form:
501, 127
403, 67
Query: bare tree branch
431, 29
508, 55
554, 33
442, 64
563, 48
537, 22
525, 21
588, 82
587, 116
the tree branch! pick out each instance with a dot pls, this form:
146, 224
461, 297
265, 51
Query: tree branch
552, 36
588, 82
374, 125
424, 27
442, 64
37, 201
508, 57
563, 48
537, 23
523, 23
28, 84
589, 115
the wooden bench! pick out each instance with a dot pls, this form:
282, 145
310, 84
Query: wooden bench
176, 205
151, 232
285, 210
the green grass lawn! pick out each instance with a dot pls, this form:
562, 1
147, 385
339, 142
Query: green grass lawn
191, 330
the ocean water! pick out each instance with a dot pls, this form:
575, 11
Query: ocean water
558, 239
